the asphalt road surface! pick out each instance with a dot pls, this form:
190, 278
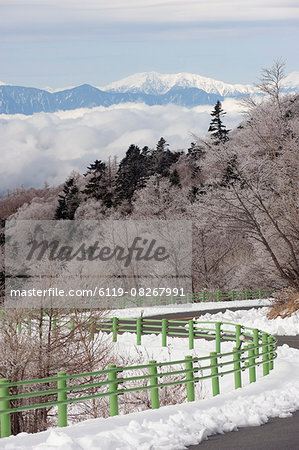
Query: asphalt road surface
276, 434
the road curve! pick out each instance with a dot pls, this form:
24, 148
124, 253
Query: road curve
276, 434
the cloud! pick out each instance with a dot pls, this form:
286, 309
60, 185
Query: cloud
90, 16
48, 147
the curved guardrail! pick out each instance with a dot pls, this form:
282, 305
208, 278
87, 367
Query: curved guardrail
252, 348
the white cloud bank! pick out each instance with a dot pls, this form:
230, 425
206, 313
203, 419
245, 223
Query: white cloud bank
47, 147
136, 11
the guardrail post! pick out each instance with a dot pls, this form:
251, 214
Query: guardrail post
251, 361
218, 296
233, 296
237, 368
4, 405
271, 363
238, 334
214, 373
189, 377
191, 335
154, 383
260, 294
164, 332
265, 355
138, 330
62, 409
114, 329
246, 295
256, 340
113, 397
218, 336
203, 297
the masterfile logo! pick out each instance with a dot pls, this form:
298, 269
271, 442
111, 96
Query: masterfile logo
124, 257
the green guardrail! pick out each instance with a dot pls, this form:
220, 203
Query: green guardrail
252, 348
195, 297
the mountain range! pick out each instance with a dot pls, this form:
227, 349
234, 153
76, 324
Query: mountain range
151, 88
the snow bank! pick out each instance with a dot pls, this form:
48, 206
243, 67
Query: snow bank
185, 307
257, 318
174, 427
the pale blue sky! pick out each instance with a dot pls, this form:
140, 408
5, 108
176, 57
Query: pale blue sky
68, 42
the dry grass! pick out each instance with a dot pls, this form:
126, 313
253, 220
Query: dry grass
285, 304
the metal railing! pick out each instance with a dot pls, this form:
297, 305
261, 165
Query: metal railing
195, 297
252, 348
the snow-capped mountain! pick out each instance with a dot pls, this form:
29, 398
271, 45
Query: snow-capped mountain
291, 82
158, 84
151, 88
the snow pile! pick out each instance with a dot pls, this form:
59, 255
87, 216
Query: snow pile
185, 307
257, 318
174, 427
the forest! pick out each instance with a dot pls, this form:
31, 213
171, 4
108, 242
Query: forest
238, 187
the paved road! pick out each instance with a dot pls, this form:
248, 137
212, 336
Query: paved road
276, 434
183, 315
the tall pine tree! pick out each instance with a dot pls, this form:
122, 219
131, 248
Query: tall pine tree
99, 185
162, 158
217, 129
68, 201
132, 173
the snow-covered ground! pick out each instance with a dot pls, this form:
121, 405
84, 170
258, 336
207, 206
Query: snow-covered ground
175, 427
253, 318
185, 307
257, 318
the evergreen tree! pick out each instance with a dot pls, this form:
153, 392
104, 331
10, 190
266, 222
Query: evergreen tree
195, 155
162, 159
217, 129
99, 185
195, 192
161, 145
132, 173
68, 201
174, 179
231, 176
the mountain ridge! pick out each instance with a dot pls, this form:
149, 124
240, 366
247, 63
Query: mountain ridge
157, 83
151, 88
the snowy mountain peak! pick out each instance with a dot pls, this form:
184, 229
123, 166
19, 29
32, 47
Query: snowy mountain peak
291, 81
157, 84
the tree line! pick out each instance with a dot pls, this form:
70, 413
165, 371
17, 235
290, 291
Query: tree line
238, 187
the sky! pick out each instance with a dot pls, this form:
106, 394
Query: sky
61, 43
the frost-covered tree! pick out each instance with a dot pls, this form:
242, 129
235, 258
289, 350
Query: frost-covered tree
262, 201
